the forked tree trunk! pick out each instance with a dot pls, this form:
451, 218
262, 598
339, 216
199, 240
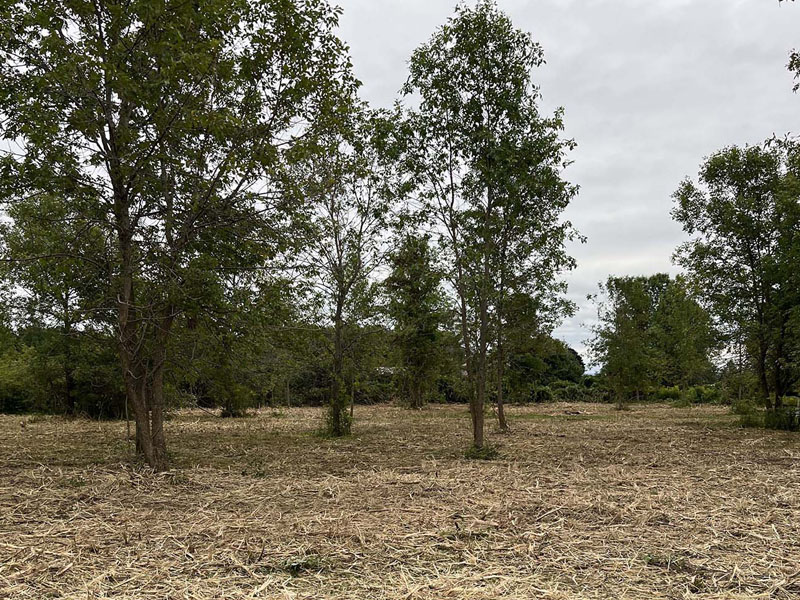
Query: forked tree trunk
143, 374
145, 393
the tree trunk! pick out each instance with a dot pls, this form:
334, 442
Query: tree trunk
338, 421
144, 379
761, 364
501, 413
156, 397
416, 394
352, 396
69, 379
480, 377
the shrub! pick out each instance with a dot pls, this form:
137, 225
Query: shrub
375, 391
17, 384
485, 453
751, 419
743, 407
682, 402
705, 394
784, 419
571, 392
450, 392
540, 394
666, 394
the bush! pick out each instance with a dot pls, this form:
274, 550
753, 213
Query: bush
705, 394
450, 392
743, 407
485, 453
376, 390
784, 419
668, 394
572, 392
540, 394
16, 382
682, 402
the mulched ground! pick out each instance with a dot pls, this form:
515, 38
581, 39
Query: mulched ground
654, 502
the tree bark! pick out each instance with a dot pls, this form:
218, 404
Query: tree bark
338, 422
501, 413
69, 379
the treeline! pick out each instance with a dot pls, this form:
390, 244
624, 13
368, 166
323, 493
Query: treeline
734, 319
652, 333
197, 189
290, 369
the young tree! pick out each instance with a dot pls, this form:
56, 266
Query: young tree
168, 120
744, 220
415, 306
348, 199
488, 167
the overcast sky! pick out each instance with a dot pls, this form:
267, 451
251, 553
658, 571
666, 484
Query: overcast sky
649, 88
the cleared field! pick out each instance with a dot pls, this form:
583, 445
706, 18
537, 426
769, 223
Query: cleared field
655, 502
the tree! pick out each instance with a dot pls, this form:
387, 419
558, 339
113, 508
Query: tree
348, 193
58, 258
622, 341
683, 336
488, 169
532, 357
415, 306
744, 220
168, 122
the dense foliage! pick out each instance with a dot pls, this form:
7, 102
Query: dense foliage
652, 332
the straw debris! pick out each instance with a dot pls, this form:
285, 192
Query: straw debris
582, 501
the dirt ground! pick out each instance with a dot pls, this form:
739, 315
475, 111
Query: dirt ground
654, 502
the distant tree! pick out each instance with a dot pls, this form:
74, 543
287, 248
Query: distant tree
414, 302
58, 260
622, 341
563, 363
744, 219
488, 168
683, 335
532, 356
169, 121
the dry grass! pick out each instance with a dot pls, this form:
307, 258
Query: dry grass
656, 502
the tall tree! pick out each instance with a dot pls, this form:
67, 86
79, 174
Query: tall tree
168, 120
488, 166
415, 306
744, 220
683, 335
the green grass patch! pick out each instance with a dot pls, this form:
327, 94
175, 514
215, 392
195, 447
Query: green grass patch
485, 452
